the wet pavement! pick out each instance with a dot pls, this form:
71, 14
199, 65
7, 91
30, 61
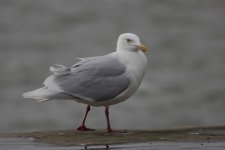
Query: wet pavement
28, 144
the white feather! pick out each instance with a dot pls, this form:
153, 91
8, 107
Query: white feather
39, 94
59, 69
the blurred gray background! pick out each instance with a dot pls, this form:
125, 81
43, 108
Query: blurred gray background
183, 86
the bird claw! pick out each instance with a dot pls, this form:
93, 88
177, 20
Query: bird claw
84, 128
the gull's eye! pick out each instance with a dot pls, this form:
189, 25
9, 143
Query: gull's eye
129, 40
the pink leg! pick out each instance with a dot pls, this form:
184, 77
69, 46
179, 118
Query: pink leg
109, 129
83, 127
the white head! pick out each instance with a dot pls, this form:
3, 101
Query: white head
130, 42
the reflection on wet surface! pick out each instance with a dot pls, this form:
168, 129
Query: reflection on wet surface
28, 144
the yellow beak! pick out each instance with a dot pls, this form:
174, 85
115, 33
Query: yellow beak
142, 47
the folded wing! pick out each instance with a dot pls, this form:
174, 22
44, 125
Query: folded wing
95, 79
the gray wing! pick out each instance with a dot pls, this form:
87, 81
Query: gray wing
96, 78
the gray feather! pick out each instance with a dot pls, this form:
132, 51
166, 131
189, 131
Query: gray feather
97, 78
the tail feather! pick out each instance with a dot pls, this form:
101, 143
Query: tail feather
39, 94
45, 94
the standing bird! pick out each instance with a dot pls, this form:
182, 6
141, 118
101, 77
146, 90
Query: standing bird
98, 81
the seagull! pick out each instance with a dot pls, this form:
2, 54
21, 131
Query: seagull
98, 81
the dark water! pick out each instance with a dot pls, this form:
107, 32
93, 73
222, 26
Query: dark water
183, 86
